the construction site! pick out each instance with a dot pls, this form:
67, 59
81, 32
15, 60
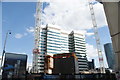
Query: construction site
113, 21
62, 55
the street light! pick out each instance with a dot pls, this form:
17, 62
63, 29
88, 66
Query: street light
8, 32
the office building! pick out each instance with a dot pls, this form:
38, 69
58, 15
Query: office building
109, 55
64, 42
65, 63
112, 11
77, 45
54, 40
14, 66
91, 65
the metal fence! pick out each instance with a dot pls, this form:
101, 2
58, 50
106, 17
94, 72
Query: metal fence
72, 77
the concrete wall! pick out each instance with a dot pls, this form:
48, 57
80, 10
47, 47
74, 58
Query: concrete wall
112, 10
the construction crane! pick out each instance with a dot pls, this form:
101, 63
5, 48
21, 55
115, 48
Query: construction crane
36, 50
99, 47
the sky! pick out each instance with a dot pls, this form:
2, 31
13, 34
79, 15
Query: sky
19, 17
0, 26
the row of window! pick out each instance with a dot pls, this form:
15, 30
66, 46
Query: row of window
53, 32
82, 60
54, 46
80, 42
53, 38
54, 43
43, 32
77, 50
85, 66
53, 35
80, 48
52, 52
53, 49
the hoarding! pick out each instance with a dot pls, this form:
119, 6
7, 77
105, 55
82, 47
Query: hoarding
14, 66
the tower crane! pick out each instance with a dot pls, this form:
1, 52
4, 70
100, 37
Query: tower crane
99, 47
36, 50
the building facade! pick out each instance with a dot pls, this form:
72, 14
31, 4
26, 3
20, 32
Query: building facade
91, 65
77, 45
49, 64
109, 55
65, 63
14, 66
52, 41
55, 41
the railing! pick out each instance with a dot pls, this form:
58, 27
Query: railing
96, 76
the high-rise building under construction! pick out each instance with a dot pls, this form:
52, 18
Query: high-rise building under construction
77, 45
54, 40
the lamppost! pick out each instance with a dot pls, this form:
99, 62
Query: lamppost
8, 32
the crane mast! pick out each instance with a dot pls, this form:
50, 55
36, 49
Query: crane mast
36, 50
99, 47
37, 24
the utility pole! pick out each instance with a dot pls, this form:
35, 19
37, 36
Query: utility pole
8, 32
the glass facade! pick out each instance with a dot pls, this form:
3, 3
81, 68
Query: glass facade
110, 55
52, 41
14, 66
77, 45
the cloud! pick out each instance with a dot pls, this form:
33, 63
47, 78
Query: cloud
93, 54
30, 29
71, 14
80, 31
91, 51
18, 35
89, 34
